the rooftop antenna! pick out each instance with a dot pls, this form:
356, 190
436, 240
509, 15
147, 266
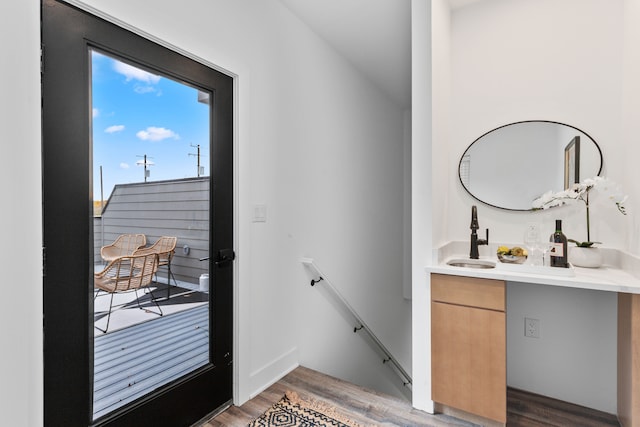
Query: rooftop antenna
101, 209
145, 163
200, 168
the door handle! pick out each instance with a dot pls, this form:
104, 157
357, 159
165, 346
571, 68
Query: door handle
225, 256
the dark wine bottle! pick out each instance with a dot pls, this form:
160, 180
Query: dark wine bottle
558, 247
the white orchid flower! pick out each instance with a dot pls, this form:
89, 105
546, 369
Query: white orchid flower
580, 191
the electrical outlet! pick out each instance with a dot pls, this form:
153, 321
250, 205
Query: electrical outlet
531, 328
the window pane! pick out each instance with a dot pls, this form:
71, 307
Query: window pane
150, 143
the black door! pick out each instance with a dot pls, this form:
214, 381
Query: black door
69, 36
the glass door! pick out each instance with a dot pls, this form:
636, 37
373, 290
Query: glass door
138, 220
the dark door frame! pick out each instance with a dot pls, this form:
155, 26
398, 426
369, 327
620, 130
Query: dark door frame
67, 35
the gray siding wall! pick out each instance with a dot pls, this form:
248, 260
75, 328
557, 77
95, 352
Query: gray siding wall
177, 208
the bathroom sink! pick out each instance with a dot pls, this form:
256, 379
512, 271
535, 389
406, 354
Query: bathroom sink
471, 263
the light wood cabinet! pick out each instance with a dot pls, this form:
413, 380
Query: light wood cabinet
629, 359
468, 345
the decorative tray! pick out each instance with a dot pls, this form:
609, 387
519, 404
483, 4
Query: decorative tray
512, 259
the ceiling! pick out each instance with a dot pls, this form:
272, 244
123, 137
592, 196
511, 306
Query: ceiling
374, 35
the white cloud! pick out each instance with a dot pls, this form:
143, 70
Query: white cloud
133, 73
143, 89
156, 134
114, 129
96, 113
124, 165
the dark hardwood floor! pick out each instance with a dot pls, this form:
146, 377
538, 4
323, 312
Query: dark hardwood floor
362, 405
371, 408
528, 410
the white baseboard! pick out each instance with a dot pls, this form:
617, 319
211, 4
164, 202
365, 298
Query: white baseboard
271, 373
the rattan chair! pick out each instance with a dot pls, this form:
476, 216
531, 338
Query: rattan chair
125, 274
165, 247
125, 244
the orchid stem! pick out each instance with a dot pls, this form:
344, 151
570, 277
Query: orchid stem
588, 225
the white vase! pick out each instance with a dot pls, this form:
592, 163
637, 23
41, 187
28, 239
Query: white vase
585, 257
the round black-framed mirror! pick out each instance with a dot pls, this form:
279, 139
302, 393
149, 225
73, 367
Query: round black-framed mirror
511, 165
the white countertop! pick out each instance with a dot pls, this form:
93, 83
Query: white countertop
620, 272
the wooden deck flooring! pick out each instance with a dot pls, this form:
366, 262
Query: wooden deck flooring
370, 408
132, 362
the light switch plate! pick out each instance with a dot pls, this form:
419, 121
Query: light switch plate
260, 213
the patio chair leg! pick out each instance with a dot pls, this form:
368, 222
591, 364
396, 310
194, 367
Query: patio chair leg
108, 315
173, 277
153, 298
169, 276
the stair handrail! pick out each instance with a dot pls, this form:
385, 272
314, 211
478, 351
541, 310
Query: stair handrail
360, 324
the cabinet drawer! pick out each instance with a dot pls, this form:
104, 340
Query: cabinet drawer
468, 291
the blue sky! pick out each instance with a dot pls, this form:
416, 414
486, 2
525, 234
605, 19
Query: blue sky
137, 113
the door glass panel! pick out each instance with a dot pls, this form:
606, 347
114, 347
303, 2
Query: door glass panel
150, 142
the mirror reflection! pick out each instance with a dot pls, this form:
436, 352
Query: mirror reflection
510, 166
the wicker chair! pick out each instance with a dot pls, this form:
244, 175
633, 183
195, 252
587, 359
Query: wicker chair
124, 245
165, 247
125, 274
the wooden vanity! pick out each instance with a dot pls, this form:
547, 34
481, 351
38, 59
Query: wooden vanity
468, 341
468, 337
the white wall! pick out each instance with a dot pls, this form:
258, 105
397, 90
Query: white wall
631, 120
342, 202
442, 132
516, 60
20, 218
407, 290
431, 133
575, 358
421, 198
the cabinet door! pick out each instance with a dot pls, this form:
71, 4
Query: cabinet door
629, 359
468, 347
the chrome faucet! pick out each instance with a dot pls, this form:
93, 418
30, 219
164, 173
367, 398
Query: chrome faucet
475, 242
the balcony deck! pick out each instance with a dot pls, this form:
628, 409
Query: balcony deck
144, 351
